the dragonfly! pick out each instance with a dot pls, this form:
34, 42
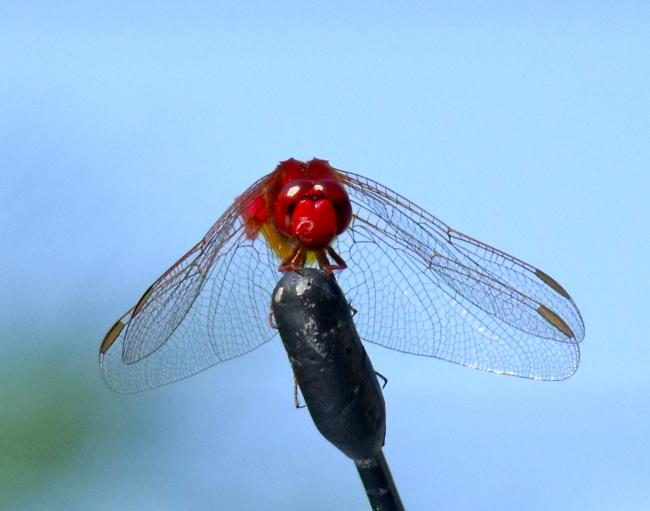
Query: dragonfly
418, 285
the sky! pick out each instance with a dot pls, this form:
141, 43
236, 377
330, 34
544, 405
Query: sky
126, 130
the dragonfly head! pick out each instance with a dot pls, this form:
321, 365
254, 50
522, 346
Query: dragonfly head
311, 205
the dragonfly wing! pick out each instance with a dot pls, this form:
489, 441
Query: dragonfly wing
212, 305
417, 292
550, 300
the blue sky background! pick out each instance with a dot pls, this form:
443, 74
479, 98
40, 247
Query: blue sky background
126, 130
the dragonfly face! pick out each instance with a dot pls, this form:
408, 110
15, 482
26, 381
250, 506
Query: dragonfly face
303, 206
419, 286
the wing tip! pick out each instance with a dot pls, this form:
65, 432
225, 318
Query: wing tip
111, 336
556, 321
552, 283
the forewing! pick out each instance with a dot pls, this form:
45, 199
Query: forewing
418, 289
543, 293
212, 305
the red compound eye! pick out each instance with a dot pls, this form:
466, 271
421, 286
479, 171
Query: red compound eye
336, 194
286, 201
314, 212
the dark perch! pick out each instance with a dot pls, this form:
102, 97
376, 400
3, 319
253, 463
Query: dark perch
335, 376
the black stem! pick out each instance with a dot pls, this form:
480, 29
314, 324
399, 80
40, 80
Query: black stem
378, 483
335, 376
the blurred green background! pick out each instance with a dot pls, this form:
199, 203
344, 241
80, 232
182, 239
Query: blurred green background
126, 130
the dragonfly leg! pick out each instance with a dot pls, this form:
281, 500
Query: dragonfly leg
383, 378
340, 263
325, 263
296, 396
295, 261
271, 319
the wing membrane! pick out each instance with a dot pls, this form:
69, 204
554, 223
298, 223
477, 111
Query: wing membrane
533, 282
437, 297
163, 306
419, 287
212, 305
500, 300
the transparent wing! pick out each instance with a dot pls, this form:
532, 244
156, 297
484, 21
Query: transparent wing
212, 305
423, 288
420, 287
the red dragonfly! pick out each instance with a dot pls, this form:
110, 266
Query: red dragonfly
419, 286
